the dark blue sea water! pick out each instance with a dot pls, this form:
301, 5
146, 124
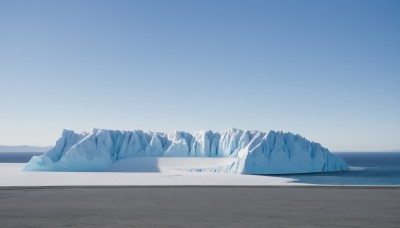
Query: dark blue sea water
17, 157
379, 168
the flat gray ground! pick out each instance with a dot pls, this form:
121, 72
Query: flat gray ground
200, 207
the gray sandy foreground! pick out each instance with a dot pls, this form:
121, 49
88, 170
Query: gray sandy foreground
199, 206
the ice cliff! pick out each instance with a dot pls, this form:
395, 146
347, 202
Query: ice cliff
256, 152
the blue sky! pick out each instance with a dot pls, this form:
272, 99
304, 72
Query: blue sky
328, 70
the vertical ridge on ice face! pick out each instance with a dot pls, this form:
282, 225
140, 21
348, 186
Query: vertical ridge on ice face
68, 139
256, 152
287, 153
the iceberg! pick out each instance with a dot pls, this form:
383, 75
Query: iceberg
251, 152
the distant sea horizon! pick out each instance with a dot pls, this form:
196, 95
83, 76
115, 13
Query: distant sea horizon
24, 148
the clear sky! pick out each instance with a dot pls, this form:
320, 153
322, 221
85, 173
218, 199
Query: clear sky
328, 70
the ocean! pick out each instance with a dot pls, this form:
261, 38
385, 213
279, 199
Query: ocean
17, 157
372, 168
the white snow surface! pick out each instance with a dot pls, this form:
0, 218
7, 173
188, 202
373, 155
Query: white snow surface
11, 175
242, 151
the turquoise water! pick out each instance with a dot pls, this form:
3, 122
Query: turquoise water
377, 169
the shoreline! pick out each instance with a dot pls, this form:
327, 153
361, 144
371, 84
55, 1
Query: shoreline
372, 187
